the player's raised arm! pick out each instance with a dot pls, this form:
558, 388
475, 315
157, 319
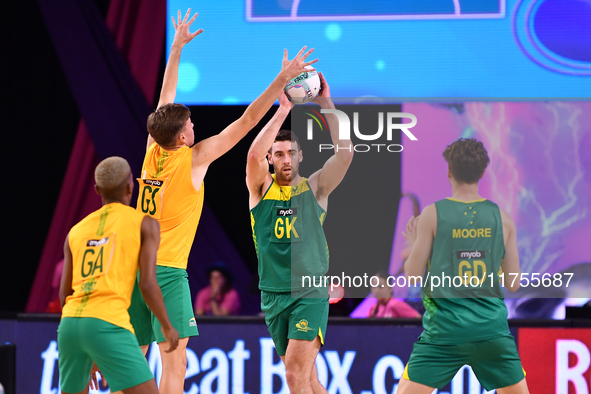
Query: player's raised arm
66, 282
325, 180
257, 165
148, 284
208, 150
420, 234
510, 263
182, 37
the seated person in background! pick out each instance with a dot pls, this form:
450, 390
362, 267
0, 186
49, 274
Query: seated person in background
219, 298
387, 306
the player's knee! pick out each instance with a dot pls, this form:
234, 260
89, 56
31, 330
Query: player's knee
314, 377
174, 368
181, 361
175, 363
294, 378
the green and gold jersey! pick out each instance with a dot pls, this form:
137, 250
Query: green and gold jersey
289, 239
468, 248
105, 247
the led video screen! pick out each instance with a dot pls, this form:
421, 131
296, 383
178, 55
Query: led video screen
499, 50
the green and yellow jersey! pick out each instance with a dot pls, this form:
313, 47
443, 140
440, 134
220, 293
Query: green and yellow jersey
167, 194
469, 247
105, 247
289, 239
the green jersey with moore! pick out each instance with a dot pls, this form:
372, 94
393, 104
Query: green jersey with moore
461, 289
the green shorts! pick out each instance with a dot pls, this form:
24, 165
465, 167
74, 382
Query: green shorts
294, 318
174, 285
495, 362
82, 340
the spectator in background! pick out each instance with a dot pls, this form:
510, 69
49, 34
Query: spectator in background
54, 306
219, 298
387, 306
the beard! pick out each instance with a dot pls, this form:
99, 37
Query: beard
283, 177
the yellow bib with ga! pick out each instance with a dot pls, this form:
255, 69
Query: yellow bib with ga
105, 248
166, 193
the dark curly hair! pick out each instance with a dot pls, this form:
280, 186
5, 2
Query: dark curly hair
467, 160
166, 122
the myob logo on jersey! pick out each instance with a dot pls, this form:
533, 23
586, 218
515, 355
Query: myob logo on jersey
287, 211
97, 242
372, 129
474, 254
152, 182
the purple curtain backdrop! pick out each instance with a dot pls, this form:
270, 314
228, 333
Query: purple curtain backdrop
112, 69
77, 198
88, 52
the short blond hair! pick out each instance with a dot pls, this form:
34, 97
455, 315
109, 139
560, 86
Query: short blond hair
111, 172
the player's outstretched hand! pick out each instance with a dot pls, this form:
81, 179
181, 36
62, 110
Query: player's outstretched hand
411, 229
182, 35
172, 337
324, 90
284, 101
296, 66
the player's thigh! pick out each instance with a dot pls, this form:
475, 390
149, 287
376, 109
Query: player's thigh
85, 391
117, 354
176, 293
307, 329
275, 306
518, 388
74, 363
406, 386
496, 363
301, 354
434, 364
148, 387
308, 319
144, 349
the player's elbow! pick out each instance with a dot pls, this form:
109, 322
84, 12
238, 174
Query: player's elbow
62, 300
254, 155
248, 121
64, 295
147, 284
514, 287
345, 154
513, 281
411, 274
414, 280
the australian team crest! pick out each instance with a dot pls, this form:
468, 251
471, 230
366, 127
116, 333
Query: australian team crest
303, 326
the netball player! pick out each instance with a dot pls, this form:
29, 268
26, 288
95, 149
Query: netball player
102, 254
468, 236
172, 190
287, 212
